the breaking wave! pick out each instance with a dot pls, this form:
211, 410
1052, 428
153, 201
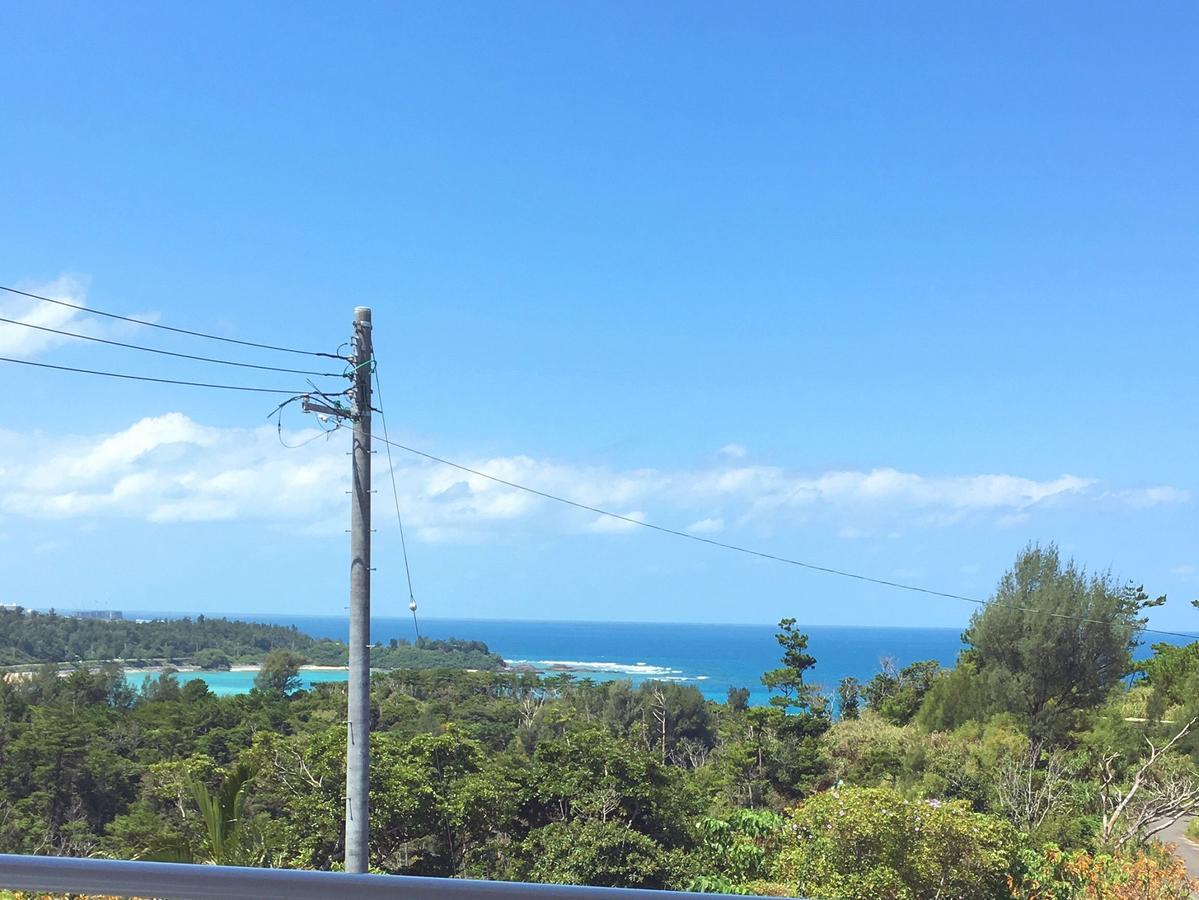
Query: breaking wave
573, 665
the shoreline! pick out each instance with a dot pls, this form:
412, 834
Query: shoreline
244, 667
66, 668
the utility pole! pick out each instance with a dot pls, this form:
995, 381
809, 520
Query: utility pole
358, 740
359, 718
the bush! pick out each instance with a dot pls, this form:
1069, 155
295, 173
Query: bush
735, 854
872, 844
1053, 874
868, 751
600, 853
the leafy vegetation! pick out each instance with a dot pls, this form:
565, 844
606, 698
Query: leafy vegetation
964, 783
896, 695
1053, 642
29, 637
865, 843
1056, 874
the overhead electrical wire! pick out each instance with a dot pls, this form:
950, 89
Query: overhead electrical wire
325, 433
827, 570
208, 359
388, 443
395, 493
277, 415
199, 334
203, 384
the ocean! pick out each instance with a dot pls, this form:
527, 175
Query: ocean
713, 658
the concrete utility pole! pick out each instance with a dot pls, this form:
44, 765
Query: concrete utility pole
358, 728
358, 724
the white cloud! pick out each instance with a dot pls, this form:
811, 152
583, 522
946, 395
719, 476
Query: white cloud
166, 468
171, 468
28, 342
733, 451
1184, 570
1159, 495
960, 492
16, 340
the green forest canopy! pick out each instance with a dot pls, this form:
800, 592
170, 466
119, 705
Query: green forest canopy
947, 783
31, 637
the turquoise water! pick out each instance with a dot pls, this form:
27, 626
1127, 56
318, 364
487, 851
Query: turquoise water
226, 683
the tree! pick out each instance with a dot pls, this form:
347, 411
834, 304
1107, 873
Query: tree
1053, 641
213, 660
738, 699
957, 697
896, 694
1158, 792
163, 688
848, 692
1030, 789
225, 834
789, 729
280, 674
676, 722
789, 692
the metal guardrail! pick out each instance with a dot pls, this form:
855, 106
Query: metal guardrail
176, 881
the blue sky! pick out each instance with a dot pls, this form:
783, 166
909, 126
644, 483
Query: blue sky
892, 289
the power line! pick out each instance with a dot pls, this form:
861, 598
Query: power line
200, 334
827, 570
325, 433
222, 387
395, 493
208, 359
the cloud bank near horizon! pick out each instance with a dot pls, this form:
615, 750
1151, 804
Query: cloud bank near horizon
170, 468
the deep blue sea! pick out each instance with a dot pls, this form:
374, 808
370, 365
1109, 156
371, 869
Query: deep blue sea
713, 658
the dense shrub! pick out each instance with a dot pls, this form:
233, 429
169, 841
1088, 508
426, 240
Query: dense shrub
1053, 874
735, 854
606, 854
872, 844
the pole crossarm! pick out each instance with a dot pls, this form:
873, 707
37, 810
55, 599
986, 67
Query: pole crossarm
335, 411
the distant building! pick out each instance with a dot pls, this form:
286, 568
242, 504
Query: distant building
107, 615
